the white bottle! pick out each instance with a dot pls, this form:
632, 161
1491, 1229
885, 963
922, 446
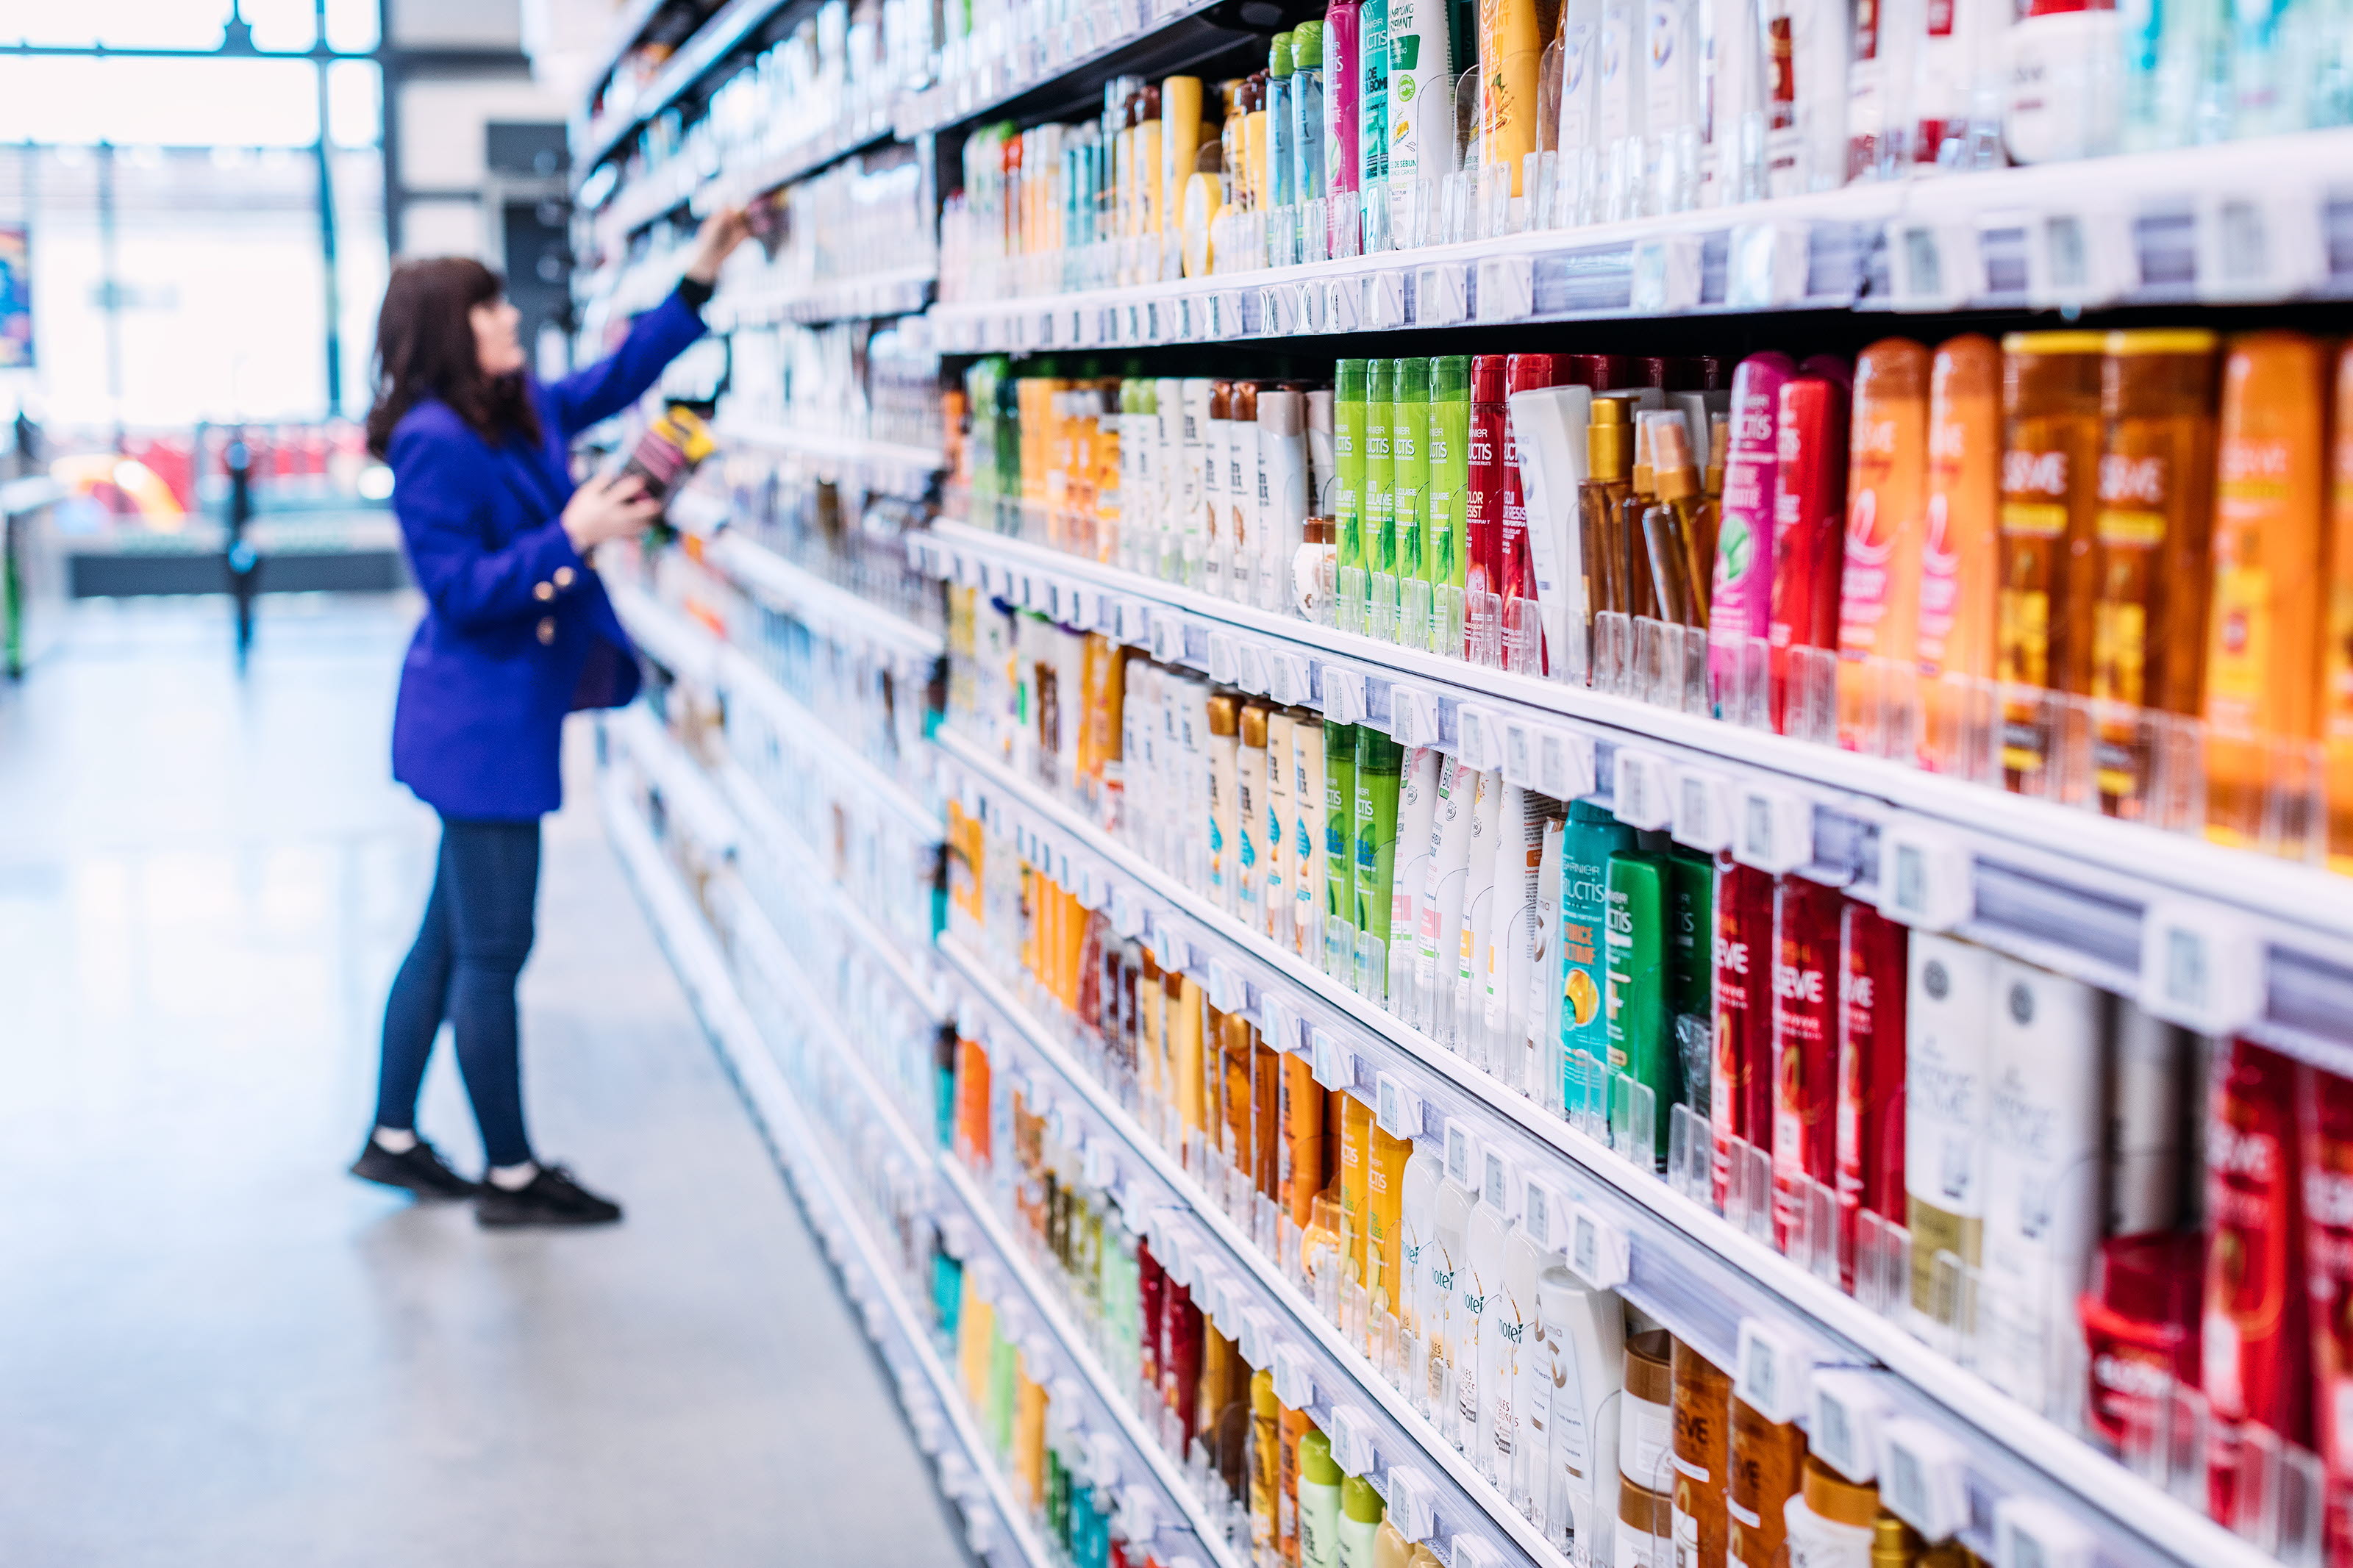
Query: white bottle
1670, 104
1732, 96
1485, 1397
1216, 462
1418, 1234
1168, 478
1193, 720
1194, 503
1449, 1272
1946, 1040
1581, 196
1831, 1522
1958, 84
1139, 724
1416, 810
1584, 1337
1519, 852
1308, 808
1441, 905
1519, 1395
1805, 124
2064, 97
1478, 917
1275, 829
1619, 105
2044, 1117
1545, 972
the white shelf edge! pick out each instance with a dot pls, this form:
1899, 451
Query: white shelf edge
766, 574
663, 633
1205, 1211
1049, 1308
684, 787
2000, 1419
823, 443
2308, 907
738, 676
695, 955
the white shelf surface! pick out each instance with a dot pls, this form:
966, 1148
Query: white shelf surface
1708, 1273
695, 655
865, 1275
834, 610
896, 292
705, 971
2161, 228
2066, 889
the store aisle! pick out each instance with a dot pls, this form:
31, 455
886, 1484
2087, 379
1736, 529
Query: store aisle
218, 1349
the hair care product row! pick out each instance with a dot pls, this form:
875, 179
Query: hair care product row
2005, 1159
874, 380
1387, 125
2095, 567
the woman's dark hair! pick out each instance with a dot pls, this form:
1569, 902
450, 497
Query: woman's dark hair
425, 348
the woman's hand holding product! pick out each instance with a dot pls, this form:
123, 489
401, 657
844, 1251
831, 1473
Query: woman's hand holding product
609, 507
722, 232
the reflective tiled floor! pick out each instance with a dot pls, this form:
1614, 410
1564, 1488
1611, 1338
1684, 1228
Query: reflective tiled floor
216, 1348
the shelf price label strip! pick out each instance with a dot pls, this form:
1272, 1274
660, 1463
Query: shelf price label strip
2067, 889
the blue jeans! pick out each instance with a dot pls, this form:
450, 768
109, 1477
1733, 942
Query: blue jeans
463, 967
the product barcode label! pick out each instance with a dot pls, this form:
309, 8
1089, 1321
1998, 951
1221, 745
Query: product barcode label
1535, 1214
1924, 1479
1397, 1108
1638, 793
1333, 1064
1769, 1371
1834, 1435
2028, 1532
1293, 1384
2203, 965
1495, 1183
1226, 992
1598, 1249
1352, 1440
1461, 1152
1519, 757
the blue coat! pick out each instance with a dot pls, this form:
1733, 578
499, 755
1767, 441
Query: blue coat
517, 630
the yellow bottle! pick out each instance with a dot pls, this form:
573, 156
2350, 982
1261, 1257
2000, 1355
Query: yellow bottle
1355, 1176
2263, 650
2336, 724
1385, 1235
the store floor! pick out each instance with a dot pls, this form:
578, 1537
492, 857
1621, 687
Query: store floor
217, 1347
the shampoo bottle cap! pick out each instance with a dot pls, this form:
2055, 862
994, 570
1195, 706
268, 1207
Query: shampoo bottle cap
1359, 1502
1412, 381
1349, 376
1893, 1542
1607, 440
1319, 531
1315, 1459
1278, 56
1307, 46
1450, 378
1525, 373
1380, 380
1833, 1496
1487, 378
1225, 713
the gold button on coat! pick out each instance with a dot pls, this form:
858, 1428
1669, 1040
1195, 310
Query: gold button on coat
564, 576
542, 590
547, 628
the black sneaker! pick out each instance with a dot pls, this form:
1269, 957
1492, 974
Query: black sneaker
552, 1197
421, 1170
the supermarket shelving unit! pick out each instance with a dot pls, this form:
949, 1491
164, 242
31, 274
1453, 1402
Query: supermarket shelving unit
2218, 939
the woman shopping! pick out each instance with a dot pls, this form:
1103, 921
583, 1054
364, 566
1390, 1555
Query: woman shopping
517, 633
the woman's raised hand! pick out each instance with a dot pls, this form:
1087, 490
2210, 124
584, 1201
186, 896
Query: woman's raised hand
720, 233
602, 507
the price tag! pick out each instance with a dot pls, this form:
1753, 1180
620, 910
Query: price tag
1565, 764
1483, 741
1412, 1502
1385, 300
1924, 1479
1220, 1296
1224, 662
1342, 692
2030, 1534
1332, 1064
1226, 992
1519, 755
1769, 1371
1278, 1024
1931, 266
1253, 678
1229, 313
1351, 1431
2201, 965
1256, 1339
1507, 288
1293, 1384
1135, 322
1172, 942
1413, 716
1666, 274
1099, 1165
1702, 809
2077, 259
1599, 1249
1167, 638
1343, 305
1440, 294
1925, 875
1472, 1552
1274, 319
1126, 914
1463, 1166
1766, 266
1093, 886
1307, 304
1288, 680
2259, 245
1541, 1206
1396, 1107
1850, 1407
1774, 830
1640, 789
